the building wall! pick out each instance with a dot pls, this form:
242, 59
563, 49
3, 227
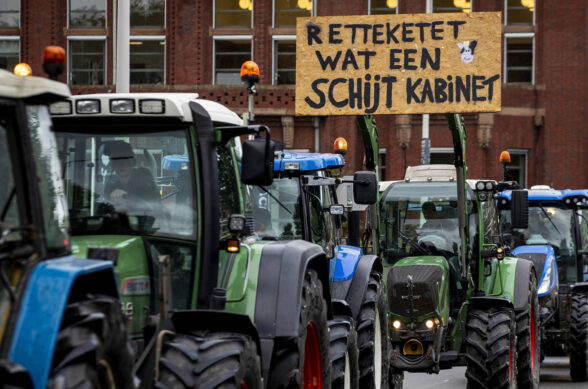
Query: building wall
548, 119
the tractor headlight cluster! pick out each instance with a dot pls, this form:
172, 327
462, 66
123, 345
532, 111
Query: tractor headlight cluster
545, 282
485, 189
396, 324
430, 324
575, 200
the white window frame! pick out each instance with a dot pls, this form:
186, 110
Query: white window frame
440, 150
381, 166
525, 153
506, 13
214, 15
88, 38
505, 66
151, 38
227, 38
105, 15
370, 7
275, 53
312, 12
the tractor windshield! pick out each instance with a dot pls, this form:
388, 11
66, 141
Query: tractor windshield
129, 183
420, 218
552, 225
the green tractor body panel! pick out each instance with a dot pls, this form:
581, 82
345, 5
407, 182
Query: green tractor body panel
132, 269
501, 281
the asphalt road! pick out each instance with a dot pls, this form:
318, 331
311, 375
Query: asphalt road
554, 375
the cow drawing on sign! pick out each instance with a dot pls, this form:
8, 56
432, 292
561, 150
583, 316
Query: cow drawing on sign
467, 50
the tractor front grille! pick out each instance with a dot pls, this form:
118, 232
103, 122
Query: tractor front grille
419, 299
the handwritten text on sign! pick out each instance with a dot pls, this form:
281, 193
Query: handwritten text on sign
381, 64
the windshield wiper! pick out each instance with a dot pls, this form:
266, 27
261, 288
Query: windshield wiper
275, 198
548, 217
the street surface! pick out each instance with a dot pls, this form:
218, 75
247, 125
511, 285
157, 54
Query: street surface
554, 375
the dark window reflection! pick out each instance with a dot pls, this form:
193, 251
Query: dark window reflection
86, 61
147, 62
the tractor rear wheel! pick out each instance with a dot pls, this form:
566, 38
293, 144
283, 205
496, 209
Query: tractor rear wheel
343, 352
303, 362
491, 349
203, 359
92, 348
372, 336
529, 340
579, 337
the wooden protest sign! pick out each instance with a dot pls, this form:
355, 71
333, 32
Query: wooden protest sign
398, 64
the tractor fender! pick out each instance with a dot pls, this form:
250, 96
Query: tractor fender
353, 289
580, 287
46, 294
341, 308
282, 270
487, 302
523, 271
345, 262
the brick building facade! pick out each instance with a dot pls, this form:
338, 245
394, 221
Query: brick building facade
544, 92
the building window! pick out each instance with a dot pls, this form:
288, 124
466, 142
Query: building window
9, 52
286, 11
379, 7
444, 6
86, 61
520, 12
147, 13
229, 55
441, 156
382, 164
233, 13
9, 13
519, 58
284, 60
87, 14
147, 60
517, 169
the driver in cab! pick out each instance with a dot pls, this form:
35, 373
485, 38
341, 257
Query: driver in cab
433, 221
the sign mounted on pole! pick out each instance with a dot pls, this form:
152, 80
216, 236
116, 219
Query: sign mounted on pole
398, 64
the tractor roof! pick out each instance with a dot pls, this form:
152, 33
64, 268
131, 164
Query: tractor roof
17, 87
307, 161
174, 105
548, 194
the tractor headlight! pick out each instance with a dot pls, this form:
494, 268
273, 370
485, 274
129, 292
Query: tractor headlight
545, 282
430, 324
396, 324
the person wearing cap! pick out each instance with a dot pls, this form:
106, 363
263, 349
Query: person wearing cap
130, 186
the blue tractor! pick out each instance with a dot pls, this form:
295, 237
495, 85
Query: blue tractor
61, 323
302, 203
557, 243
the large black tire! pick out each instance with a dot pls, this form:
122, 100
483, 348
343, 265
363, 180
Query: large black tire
287, 365
491, 349
344, 353
395, 379
215, 360
579, 337
92, 348
529, 337
372, 336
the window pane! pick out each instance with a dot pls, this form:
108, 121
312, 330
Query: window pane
520, 11
230, 55
441, 158
441, 6
9, 13
9, 54
87, 13
287, 11
519, 60
285, 62
233, 13
383, 7
147, 62
86, 59
517, 170
147, 13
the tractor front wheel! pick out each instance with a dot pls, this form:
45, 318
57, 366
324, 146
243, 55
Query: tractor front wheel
92, 347
491, 350
303, 362
343, 351
207, 359
529, 340
579, 337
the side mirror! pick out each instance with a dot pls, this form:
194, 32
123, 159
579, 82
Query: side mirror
365, 188
519, 209
257, 164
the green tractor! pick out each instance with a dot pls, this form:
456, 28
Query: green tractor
155, 184
455, 296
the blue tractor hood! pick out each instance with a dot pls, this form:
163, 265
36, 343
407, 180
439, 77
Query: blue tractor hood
307, 161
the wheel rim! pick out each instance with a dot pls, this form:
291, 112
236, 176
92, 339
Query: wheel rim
313, 371
347, 376
244, 385
533, 341
106, 376
377, 352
